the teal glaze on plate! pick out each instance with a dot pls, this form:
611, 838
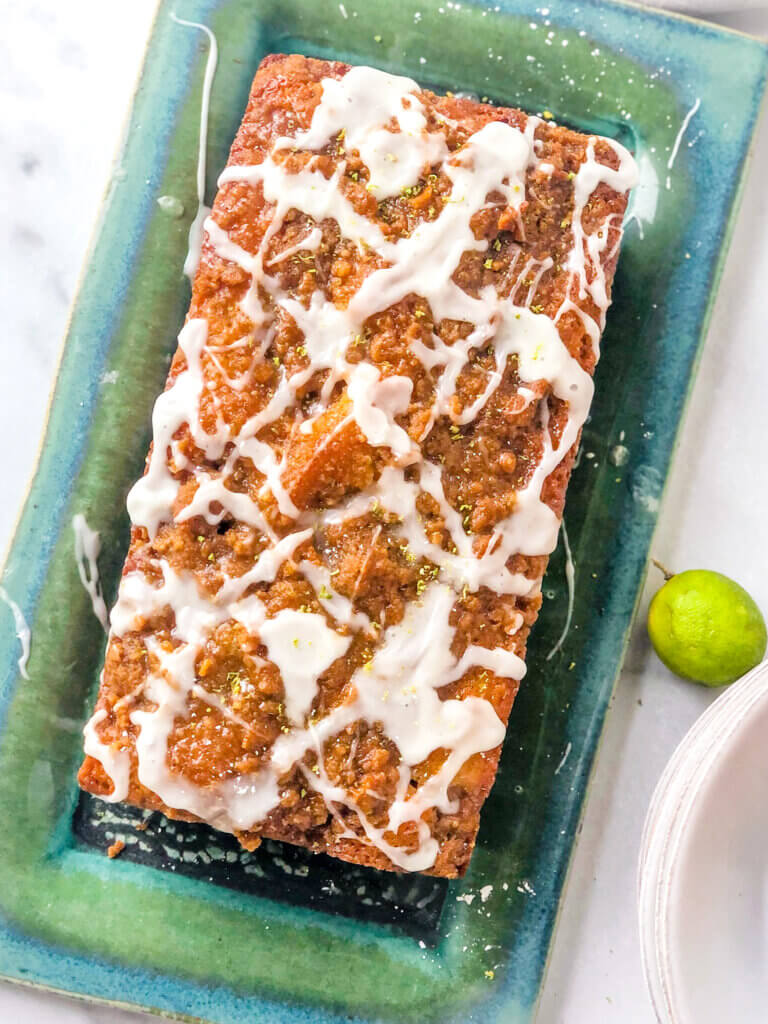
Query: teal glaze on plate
128, 933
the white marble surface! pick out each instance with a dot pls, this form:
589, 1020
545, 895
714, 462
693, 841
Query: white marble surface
66, 75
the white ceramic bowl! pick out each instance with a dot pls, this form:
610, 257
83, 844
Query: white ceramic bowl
703, 874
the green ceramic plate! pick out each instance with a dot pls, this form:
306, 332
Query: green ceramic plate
181, 921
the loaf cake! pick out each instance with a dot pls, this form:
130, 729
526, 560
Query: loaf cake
358, 468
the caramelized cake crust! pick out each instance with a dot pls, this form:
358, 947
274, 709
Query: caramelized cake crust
359, 467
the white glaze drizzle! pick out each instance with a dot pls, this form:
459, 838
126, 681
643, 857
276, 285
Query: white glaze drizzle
116, 763
382, 117
196, 227
570, 580
679, 138
303, 647
645, 196
337, 606
360, 105
398, 690
23, 634
87, 548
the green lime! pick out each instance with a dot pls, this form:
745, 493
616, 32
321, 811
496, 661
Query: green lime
705, 627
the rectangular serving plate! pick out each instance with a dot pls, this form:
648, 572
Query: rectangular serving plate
182, 922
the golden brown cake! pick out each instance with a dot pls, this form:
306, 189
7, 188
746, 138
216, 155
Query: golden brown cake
358, 468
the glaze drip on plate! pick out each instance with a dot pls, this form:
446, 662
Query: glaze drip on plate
407, 683
166, 202
87, 548
23, 634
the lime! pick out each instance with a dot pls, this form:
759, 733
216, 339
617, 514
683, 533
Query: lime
705, 627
